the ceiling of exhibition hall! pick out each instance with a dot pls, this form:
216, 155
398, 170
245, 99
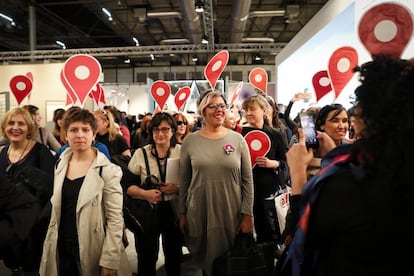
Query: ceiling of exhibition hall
151, 32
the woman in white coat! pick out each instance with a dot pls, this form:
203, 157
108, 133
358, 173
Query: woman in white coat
86, 226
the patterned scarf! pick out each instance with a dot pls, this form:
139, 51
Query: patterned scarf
331, 163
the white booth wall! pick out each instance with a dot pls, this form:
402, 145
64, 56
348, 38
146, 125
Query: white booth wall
334, 26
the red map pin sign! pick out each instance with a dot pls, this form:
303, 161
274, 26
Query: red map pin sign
181, 96
30, 76
258, 78
95, 93
160, 91
215, 67
68, 100
236, 93
102, 95
69, 91
258, 143
386, 29
20, 86
82, 73
321, 84
157, 109
340, 67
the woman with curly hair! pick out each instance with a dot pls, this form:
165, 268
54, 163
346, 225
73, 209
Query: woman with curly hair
361, 200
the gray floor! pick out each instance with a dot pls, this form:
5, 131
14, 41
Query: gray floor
132, 256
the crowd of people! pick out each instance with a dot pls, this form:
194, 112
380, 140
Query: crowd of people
349, 203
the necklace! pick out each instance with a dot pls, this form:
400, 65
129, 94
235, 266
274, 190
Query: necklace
20, 157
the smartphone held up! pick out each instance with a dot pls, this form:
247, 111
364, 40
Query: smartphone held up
308, 125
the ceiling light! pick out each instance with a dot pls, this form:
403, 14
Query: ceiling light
204, 39
108, 14
127, 60
61, 44
152, 57
136, 41
199, 6
8, 18
195, 58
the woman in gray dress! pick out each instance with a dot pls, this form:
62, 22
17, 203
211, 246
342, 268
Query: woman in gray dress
216, 185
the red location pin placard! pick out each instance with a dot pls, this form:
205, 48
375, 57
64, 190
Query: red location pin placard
20, 86
30, 76
68, 100
82, 73
258, 143
157, 109
258, 78
215, 67
95, 93
321, 84
160, 91
386, 29
340, 67
102, 95
69, 91
236, 93
181, 97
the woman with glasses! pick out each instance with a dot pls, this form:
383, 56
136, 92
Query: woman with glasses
109, 135
22, 152
162, 145
182, 127
216, 185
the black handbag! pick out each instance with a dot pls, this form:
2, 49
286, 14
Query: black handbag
139, 214
245, 258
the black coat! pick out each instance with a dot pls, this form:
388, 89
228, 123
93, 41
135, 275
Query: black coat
18, 213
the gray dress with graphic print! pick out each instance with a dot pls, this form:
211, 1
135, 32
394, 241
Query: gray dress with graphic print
216, 188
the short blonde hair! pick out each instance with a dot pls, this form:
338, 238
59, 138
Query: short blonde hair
27, 117
205, 100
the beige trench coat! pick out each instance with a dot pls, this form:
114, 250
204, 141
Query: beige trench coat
99, 219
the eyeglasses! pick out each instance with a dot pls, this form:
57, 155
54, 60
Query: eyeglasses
179, 123
217, 106
164, 130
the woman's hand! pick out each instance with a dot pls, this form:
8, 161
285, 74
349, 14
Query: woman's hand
153, 196
265, 162
108, 272
296, 97
246, 225
169, 188
326, 143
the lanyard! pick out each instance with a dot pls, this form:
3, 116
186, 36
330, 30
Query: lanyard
162, 169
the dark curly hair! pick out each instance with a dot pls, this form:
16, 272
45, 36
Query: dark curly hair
386, 97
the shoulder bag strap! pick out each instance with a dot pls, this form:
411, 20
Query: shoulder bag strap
144, 151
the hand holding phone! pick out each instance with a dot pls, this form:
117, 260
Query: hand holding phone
308, 125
